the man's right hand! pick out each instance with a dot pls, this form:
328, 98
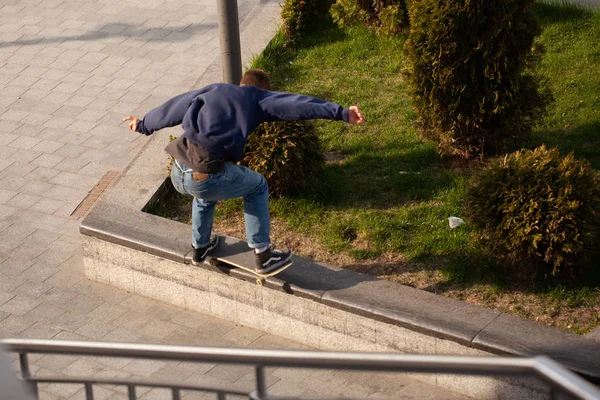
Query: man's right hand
134, 122
355, 116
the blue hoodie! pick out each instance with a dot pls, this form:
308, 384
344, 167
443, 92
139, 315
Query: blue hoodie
219, 117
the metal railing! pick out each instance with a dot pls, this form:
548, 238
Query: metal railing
560, 380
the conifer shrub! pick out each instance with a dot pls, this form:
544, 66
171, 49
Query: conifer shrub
287, 154
472, 73
388, 17
352, 12
392, 16
538, 210
298, 15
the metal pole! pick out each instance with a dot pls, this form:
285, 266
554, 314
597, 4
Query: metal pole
229, 35
131, 392
89, 392
261, 383
26, 373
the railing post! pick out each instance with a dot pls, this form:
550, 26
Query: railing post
131, 391
26, 373
89, 391
261, 383
229, 32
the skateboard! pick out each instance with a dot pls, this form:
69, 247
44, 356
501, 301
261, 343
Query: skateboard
236, 253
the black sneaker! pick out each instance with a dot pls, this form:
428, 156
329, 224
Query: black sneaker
271, 259
200, 253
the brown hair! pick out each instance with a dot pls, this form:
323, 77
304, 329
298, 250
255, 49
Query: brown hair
258, 78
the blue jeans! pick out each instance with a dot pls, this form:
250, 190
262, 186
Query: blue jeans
234, 181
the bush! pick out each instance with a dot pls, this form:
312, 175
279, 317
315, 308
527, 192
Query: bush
537, 209
297, 16
351, 12
392, 16
386, 16
287, 154
472, 73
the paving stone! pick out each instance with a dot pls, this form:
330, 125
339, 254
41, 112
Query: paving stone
6, 195
13, 325
6, 211
43, 221
99, 393
76, 77
70, 150
20, 157
40, 330
39, 271
122, 335
4, 297
44, 84
48, 160
5, 137
24, 142
6, 152
59, 122
46, 205
426, 392
20, 305
144, 368
23, 200
28, 129
47, 146
5, 164
35, 94
71, 321
57, 98
47, 311
3, 315
64, 193
72, 165
66, 179
63, 390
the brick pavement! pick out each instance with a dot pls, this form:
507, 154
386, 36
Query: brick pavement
69, 72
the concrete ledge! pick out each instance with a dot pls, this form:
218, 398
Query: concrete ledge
301, 319
312, 303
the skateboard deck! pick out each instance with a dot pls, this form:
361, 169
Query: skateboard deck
236, 254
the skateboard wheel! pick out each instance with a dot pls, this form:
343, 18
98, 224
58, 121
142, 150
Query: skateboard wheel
260, 281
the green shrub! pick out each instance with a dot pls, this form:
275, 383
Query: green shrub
351, 12
392, 16
297, 16
392, 19
287, 154
386, 16
537, 209
472, 73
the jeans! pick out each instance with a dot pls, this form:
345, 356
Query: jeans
234, 181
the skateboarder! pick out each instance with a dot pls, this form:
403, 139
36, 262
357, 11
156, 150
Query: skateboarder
216, 121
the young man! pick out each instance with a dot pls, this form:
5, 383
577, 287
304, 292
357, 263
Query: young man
216, 121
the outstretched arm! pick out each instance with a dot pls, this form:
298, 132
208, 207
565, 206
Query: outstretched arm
292, 107
166, 115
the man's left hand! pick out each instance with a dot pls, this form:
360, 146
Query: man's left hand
355, 116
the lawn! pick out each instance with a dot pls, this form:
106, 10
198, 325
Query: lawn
382, 202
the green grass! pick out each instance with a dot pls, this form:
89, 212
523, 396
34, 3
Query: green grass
391, 194
571, 36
